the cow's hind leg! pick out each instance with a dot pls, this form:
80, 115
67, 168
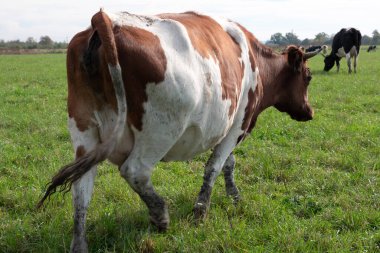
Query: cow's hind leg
348, 58
228, 171
81, 191
138, 176
82, 188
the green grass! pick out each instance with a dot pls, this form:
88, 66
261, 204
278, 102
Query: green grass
306, 187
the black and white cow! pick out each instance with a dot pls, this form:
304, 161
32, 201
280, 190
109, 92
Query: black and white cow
346, 43
371, 48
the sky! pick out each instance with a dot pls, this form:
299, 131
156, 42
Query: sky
61, 20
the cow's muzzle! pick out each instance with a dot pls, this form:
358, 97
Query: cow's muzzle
305, 114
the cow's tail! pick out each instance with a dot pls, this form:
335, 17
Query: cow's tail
67, 175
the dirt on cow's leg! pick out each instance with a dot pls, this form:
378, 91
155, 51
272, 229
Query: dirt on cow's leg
204, 198
228, 171
158, 210
203, 201
139, 179
212, 170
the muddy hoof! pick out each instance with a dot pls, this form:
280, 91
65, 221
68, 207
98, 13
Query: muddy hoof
236, 199
79, 246
161, 222
200, 212
161, 226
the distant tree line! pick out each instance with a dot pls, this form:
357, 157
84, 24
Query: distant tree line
276, 39
45, 42
320, 39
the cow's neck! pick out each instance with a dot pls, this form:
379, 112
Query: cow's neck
271, 67
271, 71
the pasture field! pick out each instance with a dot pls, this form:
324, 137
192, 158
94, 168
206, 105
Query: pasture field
305, 187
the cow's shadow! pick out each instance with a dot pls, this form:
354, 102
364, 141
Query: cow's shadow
119, 231
130, 230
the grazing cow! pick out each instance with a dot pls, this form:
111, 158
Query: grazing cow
346, 43
144, 89
371, 48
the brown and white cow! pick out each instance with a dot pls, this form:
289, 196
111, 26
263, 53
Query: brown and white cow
144, 89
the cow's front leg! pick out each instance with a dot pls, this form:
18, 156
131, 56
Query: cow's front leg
81, 191
228, 170
212, 170
337, 66
139, 178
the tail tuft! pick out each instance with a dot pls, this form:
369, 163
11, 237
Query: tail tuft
68, 174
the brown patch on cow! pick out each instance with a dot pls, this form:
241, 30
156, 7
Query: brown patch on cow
252, 109
143, 61
254, 102
90, 88
211, 41
80, 151
249, 109
81, 100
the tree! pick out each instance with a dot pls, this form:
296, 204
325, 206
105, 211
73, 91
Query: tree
321, 38
306, 42
292, 38
278, 39
46, 42
15, 44
375, 37
31, 43
366, 40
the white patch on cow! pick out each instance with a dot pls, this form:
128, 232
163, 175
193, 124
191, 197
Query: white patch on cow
341, 52
352, 53
88, 138
129, 19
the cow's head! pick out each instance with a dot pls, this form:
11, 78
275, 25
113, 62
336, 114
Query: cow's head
329, 62
295, 78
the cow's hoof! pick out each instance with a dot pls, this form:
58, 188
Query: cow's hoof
161, 222
233, 193
161, 226
236, 198
78, 246
200, 212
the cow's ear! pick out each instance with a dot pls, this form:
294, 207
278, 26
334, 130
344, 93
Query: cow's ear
295, 58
